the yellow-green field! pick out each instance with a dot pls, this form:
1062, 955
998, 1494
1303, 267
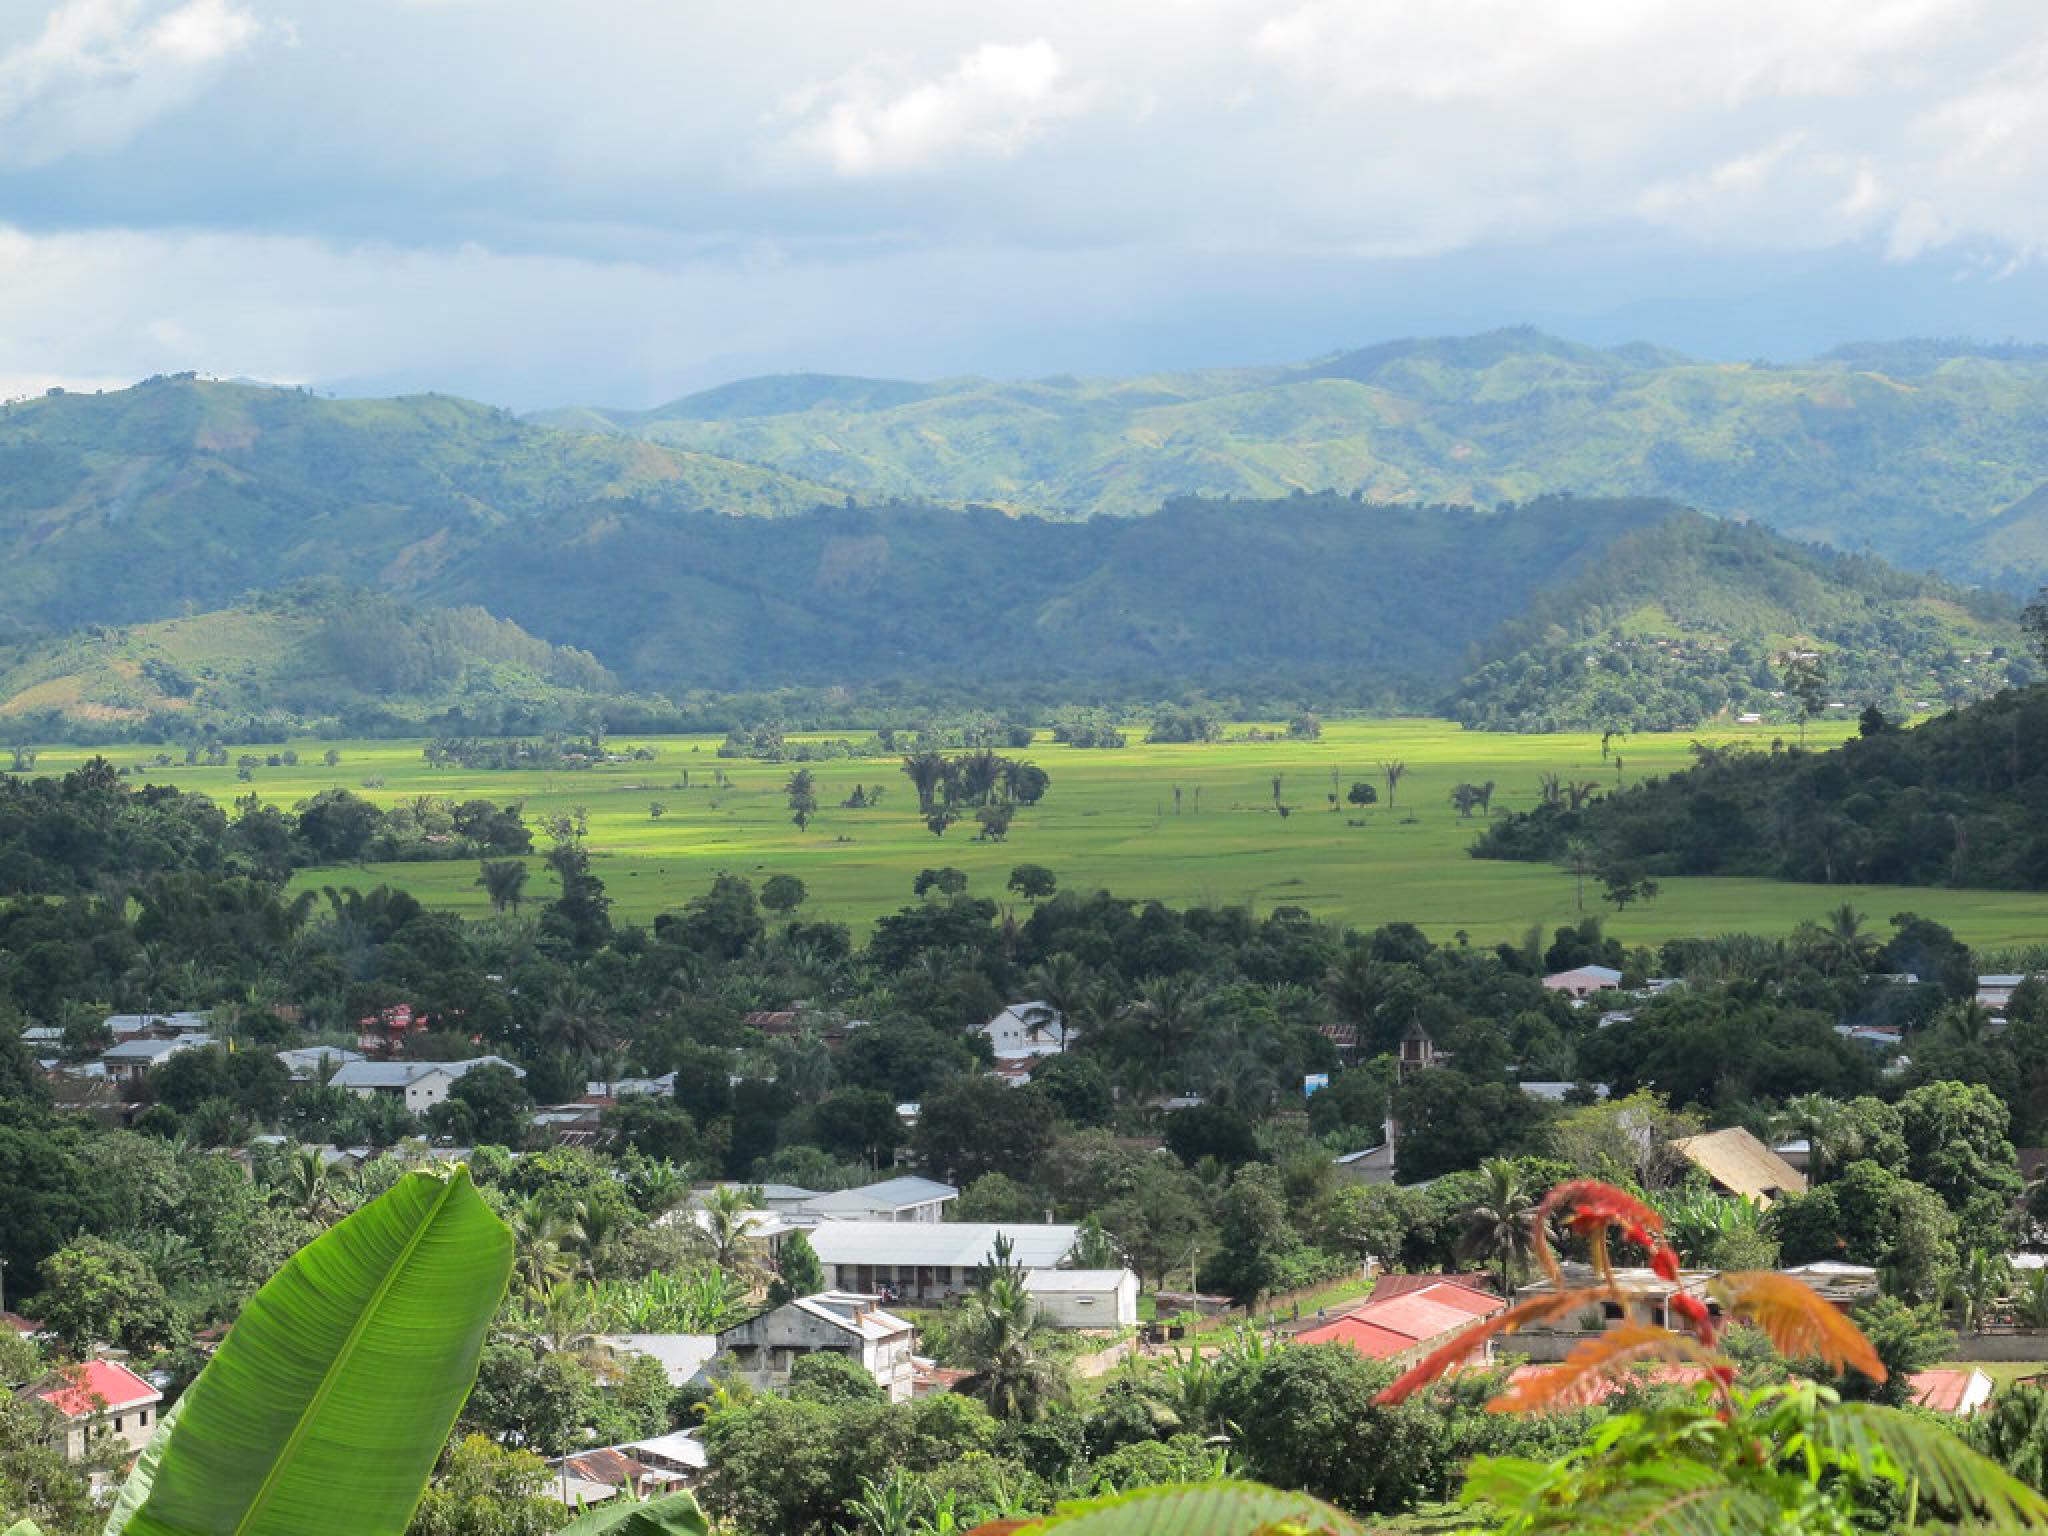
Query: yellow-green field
1108, 821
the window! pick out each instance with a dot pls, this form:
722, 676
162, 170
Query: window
142, 1419
117, 1423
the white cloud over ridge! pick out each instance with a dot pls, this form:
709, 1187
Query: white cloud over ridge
96, 72
811, 169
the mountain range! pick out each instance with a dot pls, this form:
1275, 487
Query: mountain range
1931, 454
190, 551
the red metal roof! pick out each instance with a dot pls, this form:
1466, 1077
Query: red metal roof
98, 1386
1392, 1325
1387, 1286
1945, 1391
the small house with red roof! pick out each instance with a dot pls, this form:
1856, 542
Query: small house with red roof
99, 1396
1402, 1328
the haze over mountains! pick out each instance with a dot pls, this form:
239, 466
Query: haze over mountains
1278, 532
1928, 453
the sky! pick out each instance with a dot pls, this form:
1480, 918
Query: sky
539, 202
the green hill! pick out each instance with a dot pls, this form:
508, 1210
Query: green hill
312, 658
1914, 450
1612, 613
1694, 617
1956, 801
129, 506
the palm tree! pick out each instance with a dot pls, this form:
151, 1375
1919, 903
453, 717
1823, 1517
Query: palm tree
306, 1185
1501, 1228
1820, 1119
1065, 985
728, 1228
1984, 1280
540, 1239
1167, 1011
504, 881
1000, 1340
658, 1186
926, 772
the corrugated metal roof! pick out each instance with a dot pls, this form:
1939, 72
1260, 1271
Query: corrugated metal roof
960, 1244
1061, 1280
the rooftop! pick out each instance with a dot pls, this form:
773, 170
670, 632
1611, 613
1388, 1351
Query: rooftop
959, 1244
893, 1194
98, 1386
1056, 1281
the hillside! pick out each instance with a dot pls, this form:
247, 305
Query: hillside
128, 506
1954, 802
1913, 450
313, 658
1693, 617
1319, 598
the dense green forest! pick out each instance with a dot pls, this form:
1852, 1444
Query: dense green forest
528, 577
1956, 801
128, 506
1925, 452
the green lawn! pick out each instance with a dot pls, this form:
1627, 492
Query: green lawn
1108, 821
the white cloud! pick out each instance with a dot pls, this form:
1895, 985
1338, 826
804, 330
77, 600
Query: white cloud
992, 102
98, 71
203, 31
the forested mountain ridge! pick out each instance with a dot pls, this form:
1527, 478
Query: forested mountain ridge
1318, 599
313, 657
1925, 452
1693, 616
129, 506
1956, 801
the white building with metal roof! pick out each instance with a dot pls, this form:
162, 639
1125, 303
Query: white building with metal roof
1085, 1298
927, 1260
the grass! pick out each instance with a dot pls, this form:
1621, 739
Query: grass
1108, 821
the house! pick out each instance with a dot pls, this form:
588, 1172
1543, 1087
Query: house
641, 1469
1085, 1298
126, 1026
311, 1063
100, 1396
1373, 1165
1027, 1029
900, 1199
682, 1355
764, 1348
1582, 981
1797, 1152
1649, 1297
767, 1229
1402, 1328
1960, 1390
419, 1084
930, 1260
1418, 1052
1739, 1164
784, 1199
1995, 992
136, 1057
1846, 1285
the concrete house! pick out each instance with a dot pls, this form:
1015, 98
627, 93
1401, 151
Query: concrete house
126, 1026
100, 1396
764, 1348
1085, 1298
901, 1199
419, 1085
1027, 1029
930, 1260
1582, 981
136, 1057
308, 1063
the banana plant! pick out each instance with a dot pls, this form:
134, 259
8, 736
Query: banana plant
327, 1404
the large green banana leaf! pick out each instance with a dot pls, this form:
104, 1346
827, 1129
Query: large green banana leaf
674, 1514
328, 1402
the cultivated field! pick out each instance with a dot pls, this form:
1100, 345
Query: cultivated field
1108, 821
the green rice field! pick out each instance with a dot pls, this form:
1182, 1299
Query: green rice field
1108, 821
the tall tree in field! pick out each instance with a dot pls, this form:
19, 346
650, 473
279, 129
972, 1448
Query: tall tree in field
926, 772
1806, 679
504, 881
1394, 770
802, 790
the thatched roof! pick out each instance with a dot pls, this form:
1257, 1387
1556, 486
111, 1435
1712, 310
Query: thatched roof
1742, 1165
